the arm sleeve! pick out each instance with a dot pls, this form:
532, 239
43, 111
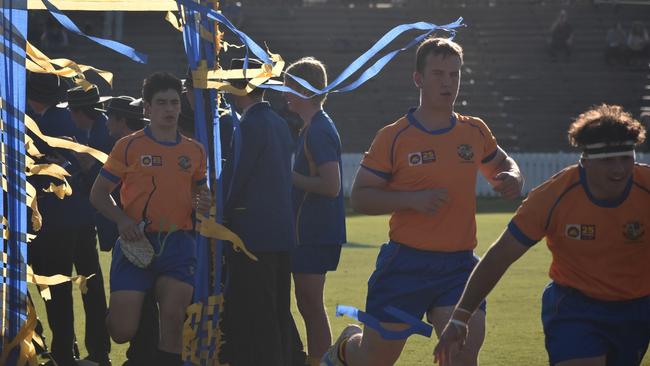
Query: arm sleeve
323, 145
114, 168
489, 142
378, 159
253, 144
528, 225
200, 174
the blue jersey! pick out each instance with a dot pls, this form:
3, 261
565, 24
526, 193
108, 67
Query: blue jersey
320, 220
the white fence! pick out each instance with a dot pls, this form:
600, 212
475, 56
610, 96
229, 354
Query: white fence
536, 168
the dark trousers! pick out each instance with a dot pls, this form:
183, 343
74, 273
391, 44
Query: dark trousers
55, 251
145, 342
257, 322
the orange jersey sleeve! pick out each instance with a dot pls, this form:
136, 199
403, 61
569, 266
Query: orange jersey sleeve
378, 158
113, 168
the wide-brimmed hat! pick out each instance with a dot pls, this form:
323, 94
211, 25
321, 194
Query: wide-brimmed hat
45, 88
78, 97
123, 105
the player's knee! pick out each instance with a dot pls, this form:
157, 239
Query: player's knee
120, 332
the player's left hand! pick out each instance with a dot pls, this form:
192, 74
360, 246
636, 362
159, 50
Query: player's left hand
450, 342
203, 201
508, 184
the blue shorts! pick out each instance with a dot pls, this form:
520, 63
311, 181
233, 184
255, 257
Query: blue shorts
177, 260
416, 281
315, 259
577, 326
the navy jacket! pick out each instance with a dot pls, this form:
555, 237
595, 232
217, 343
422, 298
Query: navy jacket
259, 208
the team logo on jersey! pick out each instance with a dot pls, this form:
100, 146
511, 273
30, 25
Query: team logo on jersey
580, 231
184, 162
633, 231
465, 152
145, 160
156, 160
415, 158
150, 160
428, 156
424, 157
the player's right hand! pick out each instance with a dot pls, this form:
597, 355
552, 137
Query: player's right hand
449, 344
428, 201
129, 230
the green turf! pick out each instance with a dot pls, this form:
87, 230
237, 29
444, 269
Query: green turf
514, 332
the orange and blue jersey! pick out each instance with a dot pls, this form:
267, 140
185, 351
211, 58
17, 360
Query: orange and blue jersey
600, 248
158, 180
412, 158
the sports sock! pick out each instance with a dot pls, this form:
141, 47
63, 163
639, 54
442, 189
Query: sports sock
341, 350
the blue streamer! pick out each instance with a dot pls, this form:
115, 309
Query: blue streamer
355, 66
12, 92
118, 47
417, 326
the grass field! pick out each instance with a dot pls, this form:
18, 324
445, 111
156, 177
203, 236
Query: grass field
514, 332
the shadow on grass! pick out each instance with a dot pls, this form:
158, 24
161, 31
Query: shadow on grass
359, 245
483, 205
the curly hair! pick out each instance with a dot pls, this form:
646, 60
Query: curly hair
605, 123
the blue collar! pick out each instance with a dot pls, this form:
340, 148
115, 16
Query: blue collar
147, 131
412, 120
603, 203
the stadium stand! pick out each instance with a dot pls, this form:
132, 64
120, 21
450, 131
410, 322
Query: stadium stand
508, 78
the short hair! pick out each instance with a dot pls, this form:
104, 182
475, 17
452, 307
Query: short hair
436, 46
160, 81
88, 110
605, 123
314, 72
132, 123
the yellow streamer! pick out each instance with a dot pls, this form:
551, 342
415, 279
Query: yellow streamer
211, 229
69, 69
23, 340
63, 143
44, 282
195, 312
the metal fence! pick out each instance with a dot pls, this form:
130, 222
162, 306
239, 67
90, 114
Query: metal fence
536, 168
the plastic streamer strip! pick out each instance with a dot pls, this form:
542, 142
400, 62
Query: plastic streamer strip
355, 66
43, 282
108, 5
118, 47
16, 325
211, 229
201, 332
417, 326
40, 63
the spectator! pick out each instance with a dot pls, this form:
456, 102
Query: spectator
615, 44
113, 25
637, 43
54, 37
561, 37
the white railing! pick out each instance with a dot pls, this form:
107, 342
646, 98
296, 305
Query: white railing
536, 167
